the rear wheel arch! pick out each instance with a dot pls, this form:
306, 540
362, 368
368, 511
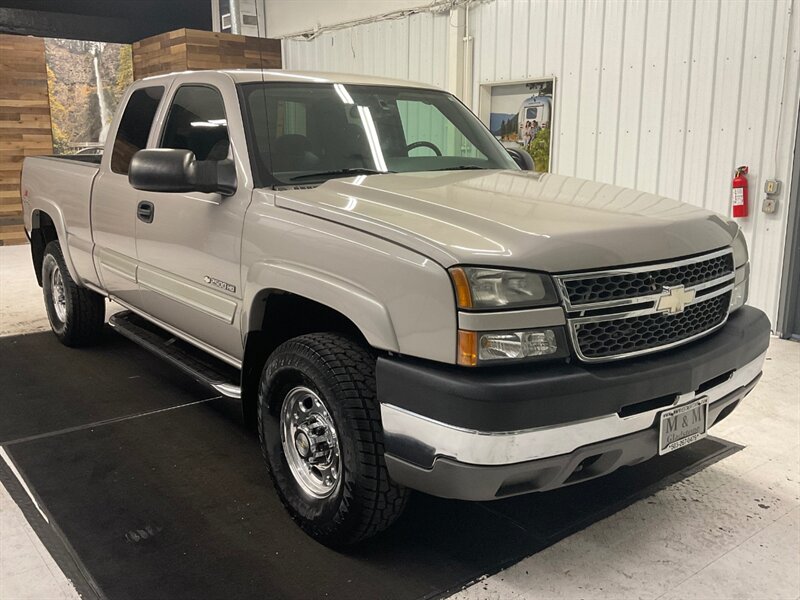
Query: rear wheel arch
277, 316
43, 231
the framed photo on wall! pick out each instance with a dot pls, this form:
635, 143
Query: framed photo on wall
522, 112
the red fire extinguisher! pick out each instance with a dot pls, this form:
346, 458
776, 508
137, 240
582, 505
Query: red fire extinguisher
739, 197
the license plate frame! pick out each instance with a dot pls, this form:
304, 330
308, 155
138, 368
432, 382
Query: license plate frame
682, 425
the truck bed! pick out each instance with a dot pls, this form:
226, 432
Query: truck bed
62, 185
93, 159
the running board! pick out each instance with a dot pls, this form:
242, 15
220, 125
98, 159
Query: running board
204, 368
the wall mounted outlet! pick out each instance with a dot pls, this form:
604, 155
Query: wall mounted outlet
769, 205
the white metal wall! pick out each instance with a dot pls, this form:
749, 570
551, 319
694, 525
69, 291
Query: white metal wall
412, 48
665, 96
286, 18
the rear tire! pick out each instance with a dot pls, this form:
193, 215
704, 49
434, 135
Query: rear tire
321, 435
76, 314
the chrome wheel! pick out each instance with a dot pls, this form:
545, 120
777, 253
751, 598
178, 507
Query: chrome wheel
57, 292
310, 442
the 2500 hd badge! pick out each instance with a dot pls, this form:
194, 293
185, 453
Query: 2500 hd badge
220, 284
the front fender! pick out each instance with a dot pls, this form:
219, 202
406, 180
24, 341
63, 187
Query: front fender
369, 314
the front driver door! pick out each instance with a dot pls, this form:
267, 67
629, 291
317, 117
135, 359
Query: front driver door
189, 247
114, 201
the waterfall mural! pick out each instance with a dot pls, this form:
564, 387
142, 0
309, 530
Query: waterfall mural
86, 81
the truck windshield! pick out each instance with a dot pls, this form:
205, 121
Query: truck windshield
310, 132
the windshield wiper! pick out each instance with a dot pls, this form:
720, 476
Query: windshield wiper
340, 173
464, 168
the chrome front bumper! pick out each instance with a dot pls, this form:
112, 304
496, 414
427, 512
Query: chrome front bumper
500, 448
478, 465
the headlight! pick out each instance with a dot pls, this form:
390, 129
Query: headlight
479, 347
742, 266
479, 288
741, 288
740, 256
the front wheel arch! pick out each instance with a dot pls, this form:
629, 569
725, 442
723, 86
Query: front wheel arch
284, 316
360, 500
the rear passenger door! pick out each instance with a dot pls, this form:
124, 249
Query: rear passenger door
114, 201
189, 254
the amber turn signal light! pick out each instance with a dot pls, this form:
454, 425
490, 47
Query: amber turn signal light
463, 293
467, 348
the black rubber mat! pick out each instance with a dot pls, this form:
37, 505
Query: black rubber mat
176, 503
47, 387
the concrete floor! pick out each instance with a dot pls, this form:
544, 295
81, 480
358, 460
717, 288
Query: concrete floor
21, 305
730, 531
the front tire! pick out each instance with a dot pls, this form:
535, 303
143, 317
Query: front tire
76, 314
321, 435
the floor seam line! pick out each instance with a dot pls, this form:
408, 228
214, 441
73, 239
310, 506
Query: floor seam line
103, 422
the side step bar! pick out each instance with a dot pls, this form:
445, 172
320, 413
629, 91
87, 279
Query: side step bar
204, 368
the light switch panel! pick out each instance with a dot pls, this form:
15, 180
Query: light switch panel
772, 187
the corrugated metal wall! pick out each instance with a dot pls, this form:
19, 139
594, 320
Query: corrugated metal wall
665, 96
412, 48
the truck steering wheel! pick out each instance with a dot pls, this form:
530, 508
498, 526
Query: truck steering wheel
422, 144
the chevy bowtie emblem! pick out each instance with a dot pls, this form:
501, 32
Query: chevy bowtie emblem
674, 299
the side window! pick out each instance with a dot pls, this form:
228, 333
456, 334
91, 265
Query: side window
197, 122
134, 128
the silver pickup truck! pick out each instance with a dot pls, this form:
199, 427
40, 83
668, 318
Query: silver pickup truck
397, 300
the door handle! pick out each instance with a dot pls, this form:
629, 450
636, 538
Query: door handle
146, 211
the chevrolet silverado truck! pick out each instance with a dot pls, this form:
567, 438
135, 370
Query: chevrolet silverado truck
398, 301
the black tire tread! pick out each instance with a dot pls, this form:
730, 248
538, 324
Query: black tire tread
352, 366
86, 309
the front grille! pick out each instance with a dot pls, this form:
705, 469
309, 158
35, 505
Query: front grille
635, 334
628, 311
622, 285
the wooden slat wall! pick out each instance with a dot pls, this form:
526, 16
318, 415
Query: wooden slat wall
25, 109
24, 123
190, 49
160, 54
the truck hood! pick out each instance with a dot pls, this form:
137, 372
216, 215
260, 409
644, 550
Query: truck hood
536, 221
